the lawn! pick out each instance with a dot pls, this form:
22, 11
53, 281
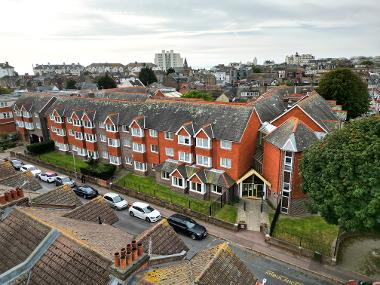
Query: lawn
149, 186
312, 232
62, 160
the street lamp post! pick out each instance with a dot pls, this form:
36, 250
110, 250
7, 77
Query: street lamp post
75, 167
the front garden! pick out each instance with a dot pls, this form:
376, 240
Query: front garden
149, 186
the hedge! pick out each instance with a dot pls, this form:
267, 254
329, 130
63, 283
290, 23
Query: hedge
42, 147
99, 170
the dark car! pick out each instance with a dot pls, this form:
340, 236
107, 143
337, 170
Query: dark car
17, 164
61, 180
86, 191
187, 226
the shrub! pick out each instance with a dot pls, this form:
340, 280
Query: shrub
42, 147
99, 170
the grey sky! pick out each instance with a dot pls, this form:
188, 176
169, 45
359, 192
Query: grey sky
206, 32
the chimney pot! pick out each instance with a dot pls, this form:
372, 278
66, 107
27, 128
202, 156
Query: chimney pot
122, 252
123, 264
140, 249
20, 192
134, 255
8, 197
14, 194
134, 244
129, 247
129, 258
117, 259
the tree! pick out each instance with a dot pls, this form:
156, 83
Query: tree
147, 76
106, 82
256, 69
367, 63
71, 84
198, 94
347, 89
170, 70
341, 174
4, 90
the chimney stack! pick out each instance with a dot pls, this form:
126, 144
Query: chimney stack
2, 199
140, 249
117, 259
8, 197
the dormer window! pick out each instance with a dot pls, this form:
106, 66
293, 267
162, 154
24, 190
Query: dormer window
77, 123
111, 128
137, 132
203, 143
88, 124
185, 140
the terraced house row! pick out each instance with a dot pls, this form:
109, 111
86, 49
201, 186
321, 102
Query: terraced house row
204, 149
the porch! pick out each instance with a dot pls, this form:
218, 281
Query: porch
253, 185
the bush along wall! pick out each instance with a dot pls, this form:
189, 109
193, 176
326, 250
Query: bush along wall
42, 147
99, 170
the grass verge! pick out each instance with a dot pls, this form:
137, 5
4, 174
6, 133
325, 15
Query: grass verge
62, 160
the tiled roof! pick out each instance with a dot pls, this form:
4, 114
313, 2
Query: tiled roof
292, 135
92, 210
163, 239
12, 178
19, 236
61, 196
319, 109
211, 176
217, 266
228, 121
33, 102
270, 105
103, 239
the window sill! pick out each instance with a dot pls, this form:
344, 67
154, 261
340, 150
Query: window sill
194, 191
203, 147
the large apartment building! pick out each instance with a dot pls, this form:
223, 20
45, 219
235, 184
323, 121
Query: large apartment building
168, 59
205, 149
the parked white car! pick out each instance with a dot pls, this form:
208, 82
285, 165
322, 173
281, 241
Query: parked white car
28, 167
144, 211
116, 201
48, 176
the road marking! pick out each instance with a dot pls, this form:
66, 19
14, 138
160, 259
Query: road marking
282, 278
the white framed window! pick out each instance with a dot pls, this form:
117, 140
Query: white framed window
185, 156
3, 104
178, 182
288, 160
111, 128
78, 135
77, 123
101, 125
185, 140
88, 124
19, 113
197, 187
154, 148
169, 135
125, 128
26, 114
203, 160
137, 132
92, 154
58, 119
20, 124
105, 154
225, 162
38, 125
90, 137
127, 142
165, 175
6, 115
74, 147
29, 126
60, 132
216, 189
113, 142
103, 138
225, 144
128, 160
69, 120
71, 132
169, 151
140, 166
138, 147
115, 160
203, 143
81, 151
62, 147
153, 133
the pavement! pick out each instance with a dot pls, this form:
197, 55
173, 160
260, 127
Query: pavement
266, 261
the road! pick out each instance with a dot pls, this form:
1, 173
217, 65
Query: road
276, 272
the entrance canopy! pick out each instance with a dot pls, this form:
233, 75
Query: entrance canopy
255, 173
